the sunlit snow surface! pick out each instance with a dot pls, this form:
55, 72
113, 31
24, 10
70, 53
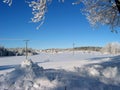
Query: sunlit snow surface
61, 71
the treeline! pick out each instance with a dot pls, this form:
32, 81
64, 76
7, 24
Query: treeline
6, 52
89, 48
16, 51
86, 48
110, 48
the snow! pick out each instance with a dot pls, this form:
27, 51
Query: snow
26, 63
61, 71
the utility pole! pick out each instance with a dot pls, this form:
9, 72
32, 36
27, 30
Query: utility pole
73, 48
0, 53
26, 48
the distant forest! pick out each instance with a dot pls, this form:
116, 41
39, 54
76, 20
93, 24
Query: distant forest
89, 48
16, 51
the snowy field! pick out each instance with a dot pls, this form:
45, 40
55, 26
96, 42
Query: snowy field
61, 71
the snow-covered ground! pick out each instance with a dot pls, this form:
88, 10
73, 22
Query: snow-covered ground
61, 71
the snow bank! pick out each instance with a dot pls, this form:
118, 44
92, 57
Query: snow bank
22, 77
106, 75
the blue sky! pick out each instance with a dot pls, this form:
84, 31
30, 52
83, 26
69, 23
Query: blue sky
64, 24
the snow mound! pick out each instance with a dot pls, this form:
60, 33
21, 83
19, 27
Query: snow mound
22, 77
26, 63
29, 76
106, 75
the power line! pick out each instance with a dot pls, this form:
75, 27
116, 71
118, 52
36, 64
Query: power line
10, 39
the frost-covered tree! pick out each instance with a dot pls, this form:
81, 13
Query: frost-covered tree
97, 11
102, 12
111, 48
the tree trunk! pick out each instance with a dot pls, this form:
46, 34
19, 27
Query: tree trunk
118, 4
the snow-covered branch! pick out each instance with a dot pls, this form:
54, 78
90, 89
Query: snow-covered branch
102, 12
9, 2
105, 12
39, 8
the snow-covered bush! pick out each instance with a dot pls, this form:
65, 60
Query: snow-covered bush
111, 48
